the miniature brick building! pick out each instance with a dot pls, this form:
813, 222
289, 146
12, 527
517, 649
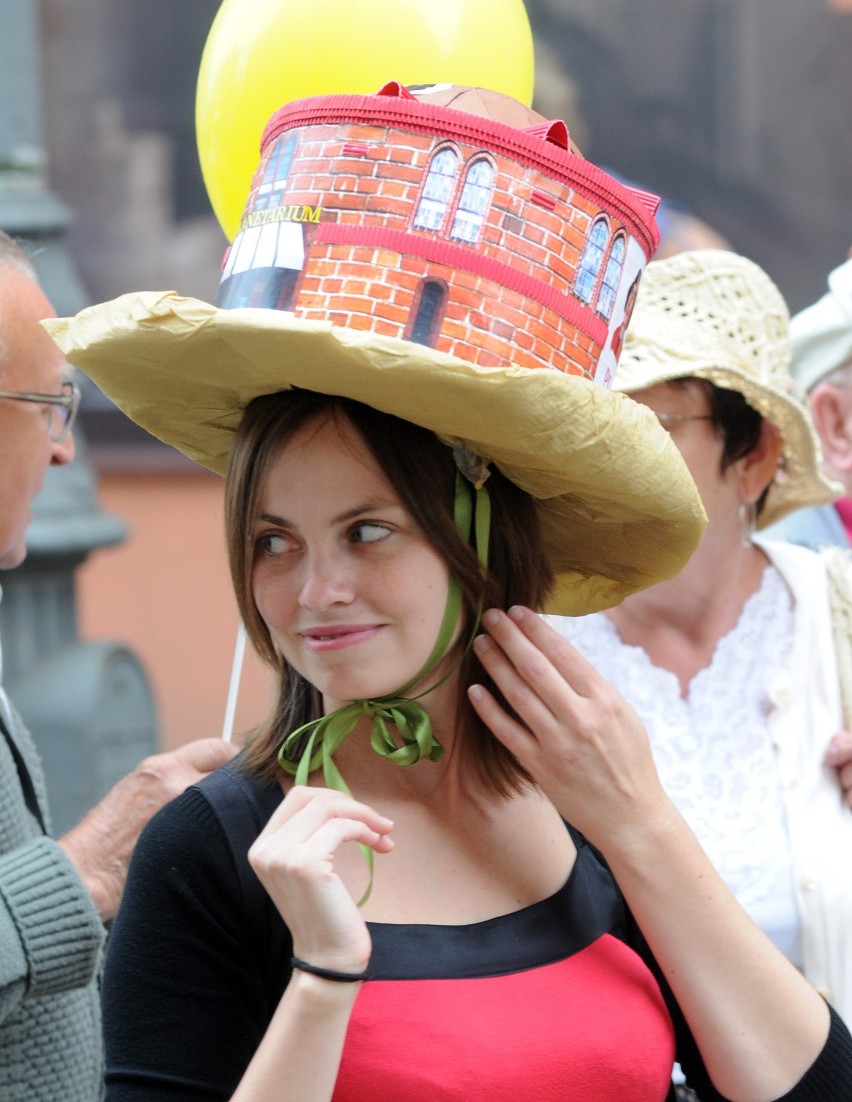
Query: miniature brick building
412, 219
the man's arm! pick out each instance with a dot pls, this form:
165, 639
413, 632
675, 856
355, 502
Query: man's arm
101, 845
50, 930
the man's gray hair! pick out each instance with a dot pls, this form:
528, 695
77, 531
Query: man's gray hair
15, 256
12, 255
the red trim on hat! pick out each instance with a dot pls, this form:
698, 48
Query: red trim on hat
647, 198
537, 152
554, 130
437, 251
394, 88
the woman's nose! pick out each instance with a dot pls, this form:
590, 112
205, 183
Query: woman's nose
327, 581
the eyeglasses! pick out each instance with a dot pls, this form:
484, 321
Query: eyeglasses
63, 408
670, 419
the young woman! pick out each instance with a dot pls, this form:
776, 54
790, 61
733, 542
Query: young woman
496, 955
446, 867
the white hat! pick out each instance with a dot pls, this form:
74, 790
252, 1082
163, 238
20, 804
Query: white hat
821, 334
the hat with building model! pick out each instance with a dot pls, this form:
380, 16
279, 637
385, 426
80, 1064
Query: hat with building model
445, 255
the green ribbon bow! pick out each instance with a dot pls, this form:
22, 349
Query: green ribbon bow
412, 739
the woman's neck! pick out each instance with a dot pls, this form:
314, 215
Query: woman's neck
363, 767
680, 622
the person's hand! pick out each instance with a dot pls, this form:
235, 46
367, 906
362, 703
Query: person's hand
578, 738
294, 858
101, 845
839, 755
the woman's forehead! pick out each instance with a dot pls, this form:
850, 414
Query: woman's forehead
686, 386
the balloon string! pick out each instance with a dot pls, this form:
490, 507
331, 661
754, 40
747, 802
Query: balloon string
234, 685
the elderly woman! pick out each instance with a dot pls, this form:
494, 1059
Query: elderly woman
732, 665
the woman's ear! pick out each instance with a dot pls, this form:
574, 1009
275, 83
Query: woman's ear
831, 411
757, 469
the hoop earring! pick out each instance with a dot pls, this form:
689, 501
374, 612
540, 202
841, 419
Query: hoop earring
747, 517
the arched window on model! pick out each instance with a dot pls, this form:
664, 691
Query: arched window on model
591, 261
474, 200
437, 191
428, 312
274, 183
611, 278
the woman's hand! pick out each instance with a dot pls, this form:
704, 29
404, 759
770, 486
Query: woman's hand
578, 738
294, 858
839, 755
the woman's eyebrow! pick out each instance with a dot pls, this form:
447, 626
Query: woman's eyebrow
341, 518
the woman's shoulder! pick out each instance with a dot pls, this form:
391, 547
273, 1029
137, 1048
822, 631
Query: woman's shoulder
238, 796
228, 805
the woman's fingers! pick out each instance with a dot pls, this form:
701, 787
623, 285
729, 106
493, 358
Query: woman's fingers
307, 830
515, 738
295, 859
577, 737
538, 671
315, 850
514, 686
839, 755
304, 809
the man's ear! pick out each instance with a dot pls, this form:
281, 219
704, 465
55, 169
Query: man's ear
831, 411
757, 469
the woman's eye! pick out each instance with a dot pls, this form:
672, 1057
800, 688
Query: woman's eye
272, 545
368, 532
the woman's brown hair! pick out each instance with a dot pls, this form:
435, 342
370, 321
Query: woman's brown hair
422, 471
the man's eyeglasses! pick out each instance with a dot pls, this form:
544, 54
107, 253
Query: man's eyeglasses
63, 408
668, 420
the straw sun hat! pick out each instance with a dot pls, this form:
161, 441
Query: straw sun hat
711, 314
446, 256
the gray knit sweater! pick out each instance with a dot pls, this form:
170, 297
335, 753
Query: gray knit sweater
50, 945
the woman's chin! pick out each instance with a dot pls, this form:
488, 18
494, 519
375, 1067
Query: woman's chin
338, 695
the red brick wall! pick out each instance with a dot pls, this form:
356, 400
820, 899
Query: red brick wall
510, 296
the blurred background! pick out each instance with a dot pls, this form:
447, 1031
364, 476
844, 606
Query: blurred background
735, 111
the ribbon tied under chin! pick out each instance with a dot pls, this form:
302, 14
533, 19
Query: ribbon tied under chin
401, 732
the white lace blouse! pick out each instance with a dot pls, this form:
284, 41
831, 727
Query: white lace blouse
714, 750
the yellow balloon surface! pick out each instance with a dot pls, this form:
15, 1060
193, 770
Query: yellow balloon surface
260, 54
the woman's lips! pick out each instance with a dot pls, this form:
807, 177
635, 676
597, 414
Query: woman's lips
338, 636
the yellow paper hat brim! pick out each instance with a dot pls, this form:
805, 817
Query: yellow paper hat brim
619, 510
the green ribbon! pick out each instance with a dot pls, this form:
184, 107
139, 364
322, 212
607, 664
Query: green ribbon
412, 738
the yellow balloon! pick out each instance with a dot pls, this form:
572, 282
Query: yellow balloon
260, 54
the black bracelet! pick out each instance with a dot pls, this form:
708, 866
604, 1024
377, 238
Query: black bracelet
328, 973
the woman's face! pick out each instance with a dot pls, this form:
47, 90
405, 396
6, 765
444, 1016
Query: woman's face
697, 441
352, 594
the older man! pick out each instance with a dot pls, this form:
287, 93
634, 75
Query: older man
55, 895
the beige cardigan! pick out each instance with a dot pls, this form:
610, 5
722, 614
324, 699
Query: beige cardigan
808, 712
